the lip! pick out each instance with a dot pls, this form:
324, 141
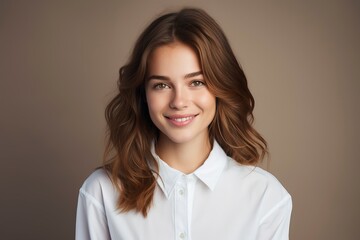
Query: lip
181, 120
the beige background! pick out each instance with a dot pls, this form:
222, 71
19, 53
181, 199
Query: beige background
59, 64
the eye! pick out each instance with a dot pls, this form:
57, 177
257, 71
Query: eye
197, 83
160, 86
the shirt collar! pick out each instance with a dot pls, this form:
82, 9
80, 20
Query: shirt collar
209, 172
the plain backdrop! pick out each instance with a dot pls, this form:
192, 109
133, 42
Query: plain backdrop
59, 63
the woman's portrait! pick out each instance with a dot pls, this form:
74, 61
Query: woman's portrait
185, 152
179, 120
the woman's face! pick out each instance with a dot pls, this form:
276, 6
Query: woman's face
180, 104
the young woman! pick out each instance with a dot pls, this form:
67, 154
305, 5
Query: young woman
182, 152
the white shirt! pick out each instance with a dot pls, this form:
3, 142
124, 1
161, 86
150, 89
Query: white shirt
221, 200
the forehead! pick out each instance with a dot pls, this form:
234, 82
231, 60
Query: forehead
173, 59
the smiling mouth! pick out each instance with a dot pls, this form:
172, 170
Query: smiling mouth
181, 120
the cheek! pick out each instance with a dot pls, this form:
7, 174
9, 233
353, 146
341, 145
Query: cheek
154, 103
207, 102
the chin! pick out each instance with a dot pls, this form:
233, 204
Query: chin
180, 139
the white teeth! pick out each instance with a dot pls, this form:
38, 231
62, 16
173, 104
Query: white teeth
182, 119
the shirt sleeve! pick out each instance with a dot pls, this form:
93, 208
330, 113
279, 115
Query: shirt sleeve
276, 223
91, 220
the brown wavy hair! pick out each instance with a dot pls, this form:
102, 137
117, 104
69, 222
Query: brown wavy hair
130, 129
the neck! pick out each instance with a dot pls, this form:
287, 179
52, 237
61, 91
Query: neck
185, 157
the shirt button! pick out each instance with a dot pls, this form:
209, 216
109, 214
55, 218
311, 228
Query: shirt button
182, 235
181, 191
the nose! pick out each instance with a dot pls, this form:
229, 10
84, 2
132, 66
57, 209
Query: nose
180, 99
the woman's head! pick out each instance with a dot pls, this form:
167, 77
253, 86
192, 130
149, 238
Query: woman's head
131, 129
223, 75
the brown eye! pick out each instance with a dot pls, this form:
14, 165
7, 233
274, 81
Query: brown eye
197, 83
160, 86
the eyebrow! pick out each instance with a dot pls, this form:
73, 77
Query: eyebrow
189, 75
193, 74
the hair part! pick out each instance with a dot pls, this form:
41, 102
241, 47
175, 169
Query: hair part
130, 130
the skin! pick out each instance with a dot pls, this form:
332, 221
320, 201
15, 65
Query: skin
180, 106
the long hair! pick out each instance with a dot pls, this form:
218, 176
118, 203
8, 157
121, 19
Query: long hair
130, 129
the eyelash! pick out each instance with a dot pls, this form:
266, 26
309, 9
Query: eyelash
195, 83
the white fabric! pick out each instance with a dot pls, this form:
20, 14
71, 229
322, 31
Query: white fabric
221, 200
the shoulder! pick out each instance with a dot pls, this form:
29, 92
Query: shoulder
97, 185
261, 189
96, 179
257, 180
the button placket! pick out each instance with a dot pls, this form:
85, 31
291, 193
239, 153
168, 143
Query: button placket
181, 211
